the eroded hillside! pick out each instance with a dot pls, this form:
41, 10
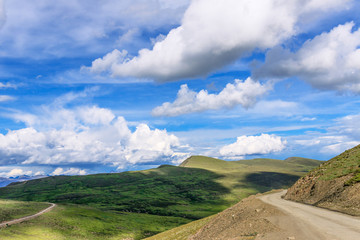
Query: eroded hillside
334, 185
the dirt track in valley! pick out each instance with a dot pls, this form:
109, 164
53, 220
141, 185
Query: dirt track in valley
27, 218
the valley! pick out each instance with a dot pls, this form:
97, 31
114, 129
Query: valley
150, 201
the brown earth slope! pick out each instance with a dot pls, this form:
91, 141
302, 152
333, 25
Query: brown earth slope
334, 185
245, 220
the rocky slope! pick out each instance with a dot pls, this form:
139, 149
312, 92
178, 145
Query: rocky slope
334, 185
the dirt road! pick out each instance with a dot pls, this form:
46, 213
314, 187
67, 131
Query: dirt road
307, 222
19, 220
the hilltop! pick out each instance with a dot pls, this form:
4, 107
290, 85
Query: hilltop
335, 184
247, 177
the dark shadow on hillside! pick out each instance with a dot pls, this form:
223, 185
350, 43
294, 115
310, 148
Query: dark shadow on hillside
167, 191
265, 181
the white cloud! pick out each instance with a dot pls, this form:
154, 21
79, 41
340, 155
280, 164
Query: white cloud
95, 115
349, 126
329, 61
7, 85
250, 145
338, 148
342, 135
39, 173
62, 28
213, 34
71, 171
58, 136
5, 98
306, 119
244, 93
18, 172
109, 61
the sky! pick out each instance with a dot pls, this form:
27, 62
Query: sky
91, 86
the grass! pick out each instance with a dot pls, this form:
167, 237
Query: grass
143, 203
303, 161
10, 210
344, 164
247, 177
182, 232
72, 222
166, 191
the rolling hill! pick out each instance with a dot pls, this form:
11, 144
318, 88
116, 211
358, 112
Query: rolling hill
79, 222
199, 187
335, 184
247, 177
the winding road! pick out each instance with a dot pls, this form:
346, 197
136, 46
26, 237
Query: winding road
308, 222
19, 220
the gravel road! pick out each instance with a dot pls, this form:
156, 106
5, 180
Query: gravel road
308, 222
19, 220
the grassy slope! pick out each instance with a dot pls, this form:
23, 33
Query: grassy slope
335, 184
10, 210
344, 164
244, 177
201, 187
248, 177
80, 222
167, 191
303, 161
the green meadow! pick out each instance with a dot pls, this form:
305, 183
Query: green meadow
67, 222
143, 203
10, 210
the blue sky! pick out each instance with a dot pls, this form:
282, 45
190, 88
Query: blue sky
108, 86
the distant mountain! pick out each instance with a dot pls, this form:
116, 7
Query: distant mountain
335, 184
6, 181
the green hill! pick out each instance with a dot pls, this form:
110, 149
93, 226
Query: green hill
167, 191
79, 222
304, 161
199, 187
247, 177
335, 184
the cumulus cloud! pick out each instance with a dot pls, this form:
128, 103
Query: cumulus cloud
244, 93
71, 171
213, 34
329, 61
250, 145
86, 135
18, 172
